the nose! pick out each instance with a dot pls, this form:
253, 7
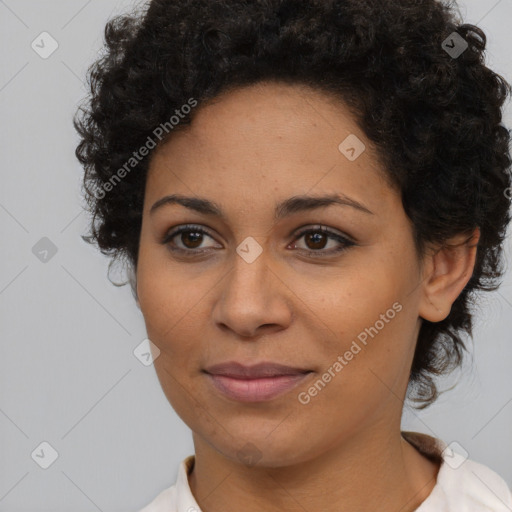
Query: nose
253, 299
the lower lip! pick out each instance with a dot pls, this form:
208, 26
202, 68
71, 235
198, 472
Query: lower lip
256, 390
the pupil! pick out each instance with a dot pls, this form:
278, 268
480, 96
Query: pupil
191, 234
318, 240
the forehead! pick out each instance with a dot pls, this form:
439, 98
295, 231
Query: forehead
268, 140
272, 114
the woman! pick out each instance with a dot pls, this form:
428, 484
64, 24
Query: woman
309, 195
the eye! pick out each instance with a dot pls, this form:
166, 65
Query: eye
192, 237
316, 239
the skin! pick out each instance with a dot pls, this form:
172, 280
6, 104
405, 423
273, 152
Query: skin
246, 151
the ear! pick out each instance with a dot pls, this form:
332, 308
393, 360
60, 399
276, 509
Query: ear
445, 274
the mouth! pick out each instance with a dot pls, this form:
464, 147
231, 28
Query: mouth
256, 383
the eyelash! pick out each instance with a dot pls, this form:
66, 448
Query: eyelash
346, 243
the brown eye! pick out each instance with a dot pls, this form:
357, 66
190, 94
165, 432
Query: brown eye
187, 239
191, 239
316, 240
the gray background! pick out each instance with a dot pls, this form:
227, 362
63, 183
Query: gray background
67, 368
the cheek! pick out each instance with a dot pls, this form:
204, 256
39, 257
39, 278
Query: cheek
355, 301
371, 315
167, 298
169, 316
174, 304
363, 375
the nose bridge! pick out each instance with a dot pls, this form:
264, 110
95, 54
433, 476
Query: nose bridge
250, 273
250, 295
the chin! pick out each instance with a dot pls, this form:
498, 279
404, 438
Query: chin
262, 446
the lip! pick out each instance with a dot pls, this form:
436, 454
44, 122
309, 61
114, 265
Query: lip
256, 383
255, 371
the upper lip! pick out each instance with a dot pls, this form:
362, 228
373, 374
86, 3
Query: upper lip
260, 370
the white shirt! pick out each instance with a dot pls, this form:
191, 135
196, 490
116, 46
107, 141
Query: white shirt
462, 485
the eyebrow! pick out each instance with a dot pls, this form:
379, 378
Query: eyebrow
288, 207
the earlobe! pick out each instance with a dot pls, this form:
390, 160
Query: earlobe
446, 273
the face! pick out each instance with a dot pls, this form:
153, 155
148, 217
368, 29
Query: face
331, 288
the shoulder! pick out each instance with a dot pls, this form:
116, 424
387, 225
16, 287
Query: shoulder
467, 485
178, 497
462, 484
164, 502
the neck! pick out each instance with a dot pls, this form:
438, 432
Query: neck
372, 470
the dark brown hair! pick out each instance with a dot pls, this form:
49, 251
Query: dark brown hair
412, 72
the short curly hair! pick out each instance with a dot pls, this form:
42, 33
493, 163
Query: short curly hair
411, 72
